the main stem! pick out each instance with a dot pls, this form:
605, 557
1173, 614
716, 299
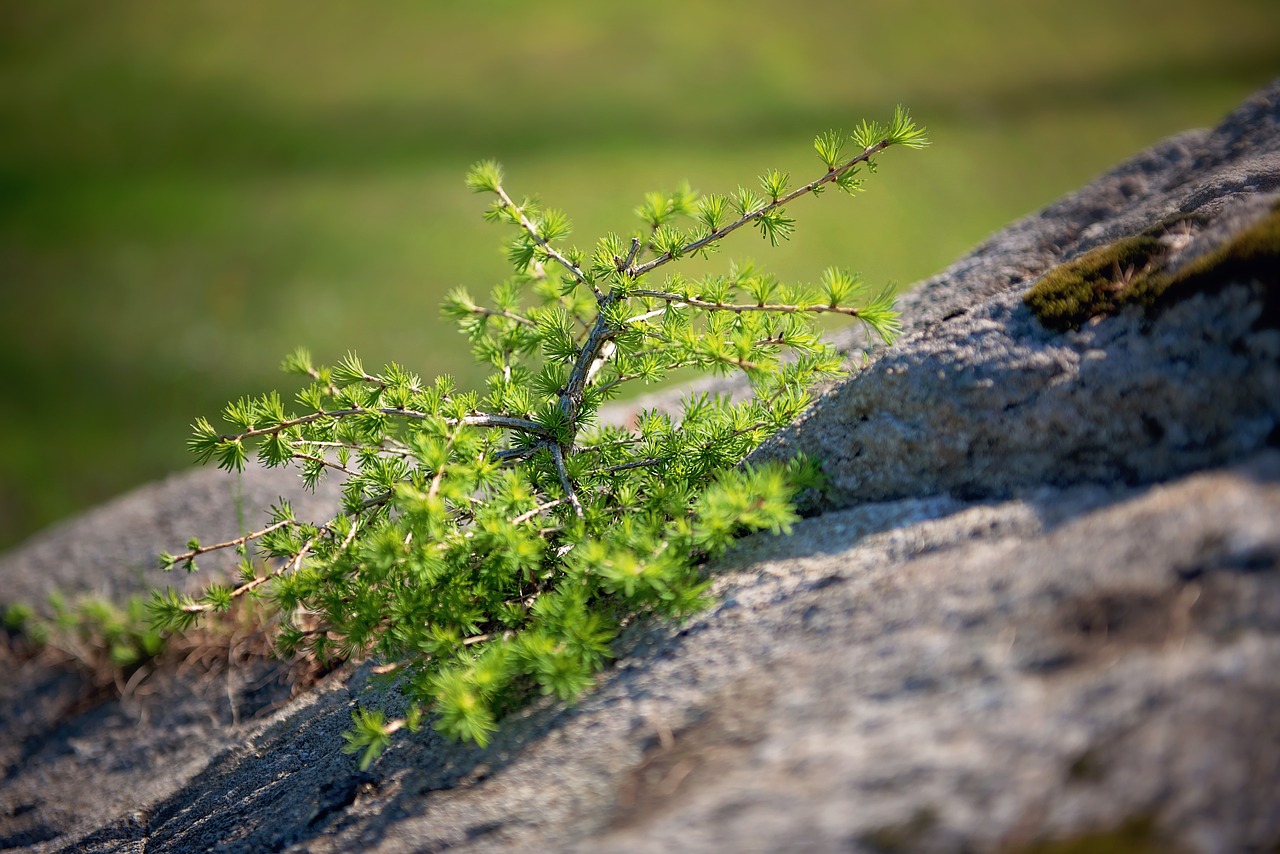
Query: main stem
599, 335
570, 399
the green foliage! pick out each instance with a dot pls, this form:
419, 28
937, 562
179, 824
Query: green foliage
370, 734
492, 544
107, 640
239, 257
1135, 271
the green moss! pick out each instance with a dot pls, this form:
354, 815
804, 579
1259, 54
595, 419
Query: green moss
1093, 284
1136, 836
1252, 255
1131, 271
900, 837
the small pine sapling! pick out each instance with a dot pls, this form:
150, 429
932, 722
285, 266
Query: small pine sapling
492, 543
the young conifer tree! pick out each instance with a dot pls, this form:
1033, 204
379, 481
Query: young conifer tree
492, 543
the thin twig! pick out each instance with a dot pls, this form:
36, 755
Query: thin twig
604, 446
631, 256
541, 508
752, 216
532, 229
391, 447
298, 455
649, 463
438, 477
515, 454
238, 541
509, 315
816, 308
294, 562
482, 420
601, 333
558, 456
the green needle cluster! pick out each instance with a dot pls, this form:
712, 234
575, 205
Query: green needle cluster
491, 544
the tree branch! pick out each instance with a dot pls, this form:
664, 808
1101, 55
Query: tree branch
509, 315
238, 541
752, 216
506, 422
532, 229
558, 456
777, 308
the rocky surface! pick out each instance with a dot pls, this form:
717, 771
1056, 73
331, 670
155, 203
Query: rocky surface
111, 551
1041, 605
980, 399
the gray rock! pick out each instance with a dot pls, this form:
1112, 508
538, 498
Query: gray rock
110, 551
980, 399
1074, 660
992, 402
1042, 603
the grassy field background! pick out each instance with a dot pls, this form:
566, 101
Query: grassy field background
190, 190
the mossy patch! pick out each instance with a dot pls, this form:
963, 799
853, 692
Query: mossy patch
1132, 271
1252, 255
902, 836
1096, 283
1138, 835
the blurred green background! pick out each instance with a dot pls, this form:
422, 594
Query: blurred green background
190, 190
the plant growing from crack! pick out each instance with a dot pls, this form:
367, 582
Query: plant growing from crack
492, 544
105, 641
